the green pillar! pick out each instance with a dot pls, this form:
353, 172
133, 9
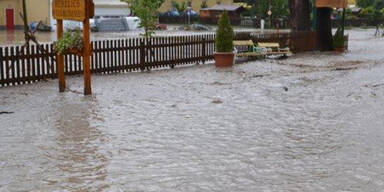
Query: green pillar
314, 16
343, 22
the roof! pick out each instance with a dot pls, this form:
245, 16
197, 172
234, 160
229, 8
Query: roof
219, 7
109, 3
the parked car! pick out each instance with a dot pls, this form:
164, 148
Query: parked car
40, 26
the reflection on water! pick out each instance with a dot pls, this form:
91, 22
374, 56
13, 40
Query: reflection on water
78, 155
17, 36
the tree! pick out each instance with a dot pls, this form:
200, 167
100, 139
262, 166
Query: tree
365, 3
146, 10
379, 4
260, 8
180, 7
204, 5
300, 15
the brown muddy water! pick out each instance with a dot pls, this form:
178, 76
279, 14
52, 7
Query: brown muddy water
17, 37
313, 122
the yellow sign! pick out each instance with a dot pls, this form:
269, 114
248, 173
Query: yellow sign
69, 10
331, 3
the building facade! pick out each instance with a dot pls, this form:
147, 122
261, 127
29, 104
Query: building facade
111, 8
37, 10
195, 4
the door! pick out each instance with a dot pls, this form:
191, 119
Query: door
10, 20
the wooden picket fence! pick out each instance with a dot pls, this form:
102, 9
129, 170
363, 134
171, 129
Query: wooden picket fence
24, 66
28, 65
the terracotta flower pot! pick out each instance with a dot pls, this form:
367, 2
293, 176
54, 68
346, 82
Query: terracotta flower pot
340, 50
224, 59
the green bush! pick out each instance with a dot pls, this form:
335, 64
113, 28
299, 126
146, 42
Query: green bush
70, 40
367, 12
338, 39
379, 4
224, 35
365, 3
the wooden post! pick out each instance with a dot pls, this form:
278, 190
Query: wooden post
343, 22
142, 54
87, 57
60, 59
203, 50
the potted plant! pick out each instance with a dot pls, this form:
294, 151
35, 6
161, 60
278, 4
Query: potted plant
70, 42
224, 55
338, 41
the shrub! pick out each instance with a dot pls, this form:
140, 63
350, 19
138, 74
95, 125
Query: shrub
204, 5
146, 10
70, 40
365, 3
338, 39
224, 35
367, 12
379, 4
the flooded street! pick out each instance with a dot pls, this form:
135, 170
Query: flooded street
313, 122
17, 37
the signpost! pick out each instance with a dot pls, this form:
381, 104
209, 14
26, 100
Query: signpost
76, 10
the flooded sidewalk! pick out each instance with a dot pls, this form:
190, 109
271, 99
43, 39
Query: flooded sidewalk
312, 122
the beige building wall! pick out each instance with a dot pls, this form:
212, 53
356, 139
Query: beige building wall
9, 4
196, 4
38, 10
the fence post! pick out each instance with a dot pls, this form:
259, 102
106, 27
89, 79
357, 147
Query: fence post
142, 54
1, 67
203, 50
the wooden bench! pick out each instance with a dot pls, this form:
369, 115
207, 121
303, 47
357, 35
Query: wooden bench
243, 43
246, 48
274, 49
261, 50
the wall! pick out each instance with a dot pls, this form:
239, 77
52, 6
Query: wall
196, 4
38, 10
13, 4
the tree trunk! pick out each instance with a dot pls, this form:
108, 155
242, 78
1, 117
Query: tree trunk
324, 29
300, 15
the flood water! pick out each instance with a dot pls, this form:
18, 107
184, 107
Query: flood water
17, 37
313, 122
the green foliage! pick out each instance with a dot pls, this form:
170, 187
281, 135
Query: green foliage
146, 10
180, 7
204, 4
365, 3
70, 40
382, 11
338, 39
349, 14
373, 15
260, 8
377, 4
367, 12
224, 35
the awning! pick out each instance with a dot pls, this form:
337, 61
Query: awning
331, 3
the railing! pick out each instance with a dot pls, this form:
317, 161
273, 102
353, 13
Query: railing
28, 65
